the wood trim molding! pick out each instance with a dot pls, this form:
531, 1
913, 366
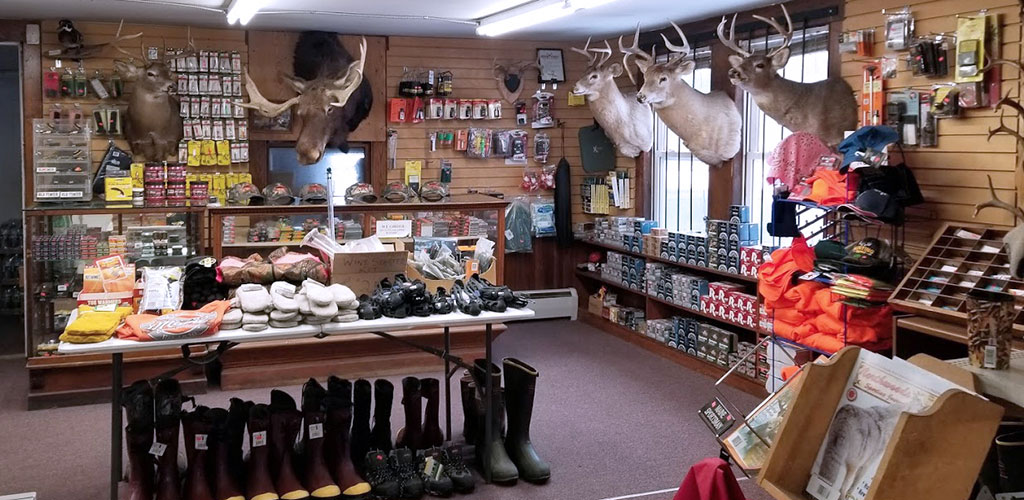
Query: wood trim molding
31, 93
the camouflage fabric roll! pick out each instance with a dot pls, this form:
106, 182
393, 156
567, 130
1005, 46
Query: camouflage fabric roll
990, 318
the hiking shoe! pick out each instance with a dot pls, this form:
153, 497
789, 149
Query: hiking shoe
381, 476
404, 464
435, 475
455, 467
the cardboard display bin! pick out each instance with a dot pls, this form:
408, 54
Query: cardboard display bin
362, 271
432, 285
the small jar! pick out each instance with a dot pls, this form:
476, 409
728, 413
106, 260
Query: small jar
175, 172
153, 173
200, 193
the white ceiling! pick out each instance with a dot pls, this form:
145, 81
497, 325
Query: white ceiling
452, 18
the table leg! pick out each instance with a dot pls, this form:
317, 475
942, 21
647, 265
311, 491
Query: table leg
488, 401
447, 384
115, 424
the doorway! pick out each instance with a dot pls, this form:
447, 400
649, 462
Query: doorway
12, 332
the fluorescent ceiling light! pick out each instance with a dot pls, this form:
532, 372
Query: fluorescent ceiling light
244, 10
538, 12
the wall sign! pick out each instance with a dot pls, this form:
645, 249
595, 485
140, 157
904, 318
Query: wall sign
552, 67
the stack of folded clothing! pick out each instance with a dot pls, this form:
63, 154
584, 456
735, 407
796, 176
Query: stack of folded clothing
94, 324
862, 291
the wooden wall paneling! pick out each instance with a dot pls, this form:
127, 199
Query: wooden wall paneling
277, 48
725, 182
378, 165
952, 175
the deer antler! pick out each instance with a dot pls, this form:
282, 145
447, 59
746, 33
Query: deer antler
605, 53
993, 62
586, 52
118, 38
730, 42
995, 202
644, 60
684, 49
1004, 129
260, 103
787, 34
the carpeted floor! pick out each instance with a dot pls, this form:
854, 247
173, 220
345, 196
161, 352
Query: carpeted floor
613, 420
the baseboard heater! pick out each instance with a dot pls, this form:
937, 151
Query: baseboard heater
554, 303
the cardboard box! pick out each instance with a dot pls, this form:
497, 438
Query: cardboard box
432, 285
362, 271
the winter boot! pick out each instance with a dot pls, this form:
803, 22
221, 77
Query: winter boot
411, 435
403, 462
197, 428
337, 451
463, 481
491, 456
238, 415
470, 408
381, 476
317, 478
137, 400
1011, 461
432, 435
167, 395
285, 425
225, 483
360, 442
259, 484
435, 476
383, 396
520, 386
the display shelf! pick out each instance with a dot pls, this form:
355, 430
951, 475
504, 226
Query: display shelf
597, 277
99, 207
712, 370
682, 265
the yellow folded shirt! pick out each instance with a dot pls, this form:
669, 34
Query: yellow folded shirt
94, 326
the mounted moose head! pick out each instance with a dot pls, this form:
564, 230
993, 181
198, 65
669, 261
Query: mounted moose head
153, 125
333, 99
826, 109
625, 121
709, 124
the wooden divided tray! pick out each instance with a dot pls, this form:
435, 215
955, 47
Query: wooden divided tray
960, 258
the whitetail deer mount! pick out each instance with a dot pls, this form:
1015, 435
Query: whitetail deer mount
709, 124
827, 108
510, 78
625, 120
1015, 238
153, 123
333, 97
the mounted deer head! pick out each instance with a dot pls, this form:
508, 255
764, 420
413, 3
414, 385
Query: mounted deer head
153, 123
1015, 238
510, 78
709, 124
333, 98
625, 121
826, 108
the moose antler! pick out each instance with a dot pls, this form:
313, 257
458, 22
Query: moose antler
260, 103
787, 34
995, 202
643, 61
343, 87
730, 42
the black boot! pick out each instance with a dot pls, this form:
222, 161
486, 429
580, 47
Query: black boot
492, 457
138, 406
383, 396
360, 442
411, 435
381, 476
167, 395
1011, 461
430, 388
403, 462
470, 408
520, 386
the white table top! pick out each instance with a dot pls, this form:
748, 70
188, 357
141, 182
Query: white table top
1003, 384
116, 345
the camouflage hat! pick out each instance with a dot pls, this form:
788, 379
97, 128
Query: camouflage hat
278, 194
397, 192
313, 193
244, 193
433, 191
360, 193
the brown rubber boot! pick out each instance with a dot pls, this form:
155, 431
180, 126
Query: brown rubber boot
433, 437
259, 485
338, 405
167, 395
197, 428
285, 425
411, 436
225, 484
138, 404
238, 415
318, 479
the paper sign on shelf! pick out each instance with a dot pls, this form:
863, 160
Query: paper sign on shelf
394, 228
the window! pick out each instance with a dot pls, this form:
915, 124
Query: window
346, 169
679, 188
808, 63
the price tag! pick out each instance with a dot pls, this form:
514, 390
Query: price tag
158, 449
259, 438
394, 228
316, 431
201, 442
509, 234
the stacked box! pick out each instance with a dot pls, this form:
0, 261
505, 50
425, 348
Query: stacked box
662, 330
739, 213
749, 366
654, 273
765, 321
751, 258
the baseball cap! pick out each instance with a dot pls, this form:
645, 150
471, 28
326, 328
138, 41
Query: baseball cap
278, 194
245, 193
828, 255
397, 192
313, 193
433, 191
873, 204
868, 253
865, 143
360, 192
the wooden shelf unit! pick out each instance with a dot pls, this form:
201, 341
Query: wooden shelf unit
682, 265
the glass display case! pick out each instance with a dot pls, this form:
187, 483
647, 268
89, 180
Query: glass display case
61, 242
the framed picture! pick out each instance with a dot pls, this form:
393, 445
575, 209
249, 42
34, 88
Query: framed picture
552, 67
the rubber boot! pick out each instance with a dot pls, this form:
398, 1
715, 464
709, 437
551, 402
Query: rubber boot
411, 435
137, 400
470, 410
520, 386
491, 456
197, 427
317, 478
285, 425
167, 395
238, 415
224, 482
1010, 448
383, 396
337, 451
432, 435
259, 484
362, 391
